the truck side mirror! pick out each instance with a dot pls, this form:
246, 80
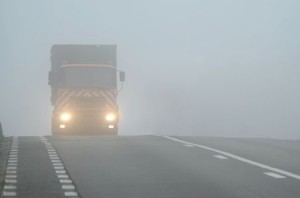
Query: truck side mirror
122, 76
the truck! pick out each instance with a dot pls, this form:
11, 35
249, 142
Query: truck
84, 89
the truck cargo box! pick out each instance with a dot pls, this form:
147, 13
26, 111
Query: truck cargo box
83, 54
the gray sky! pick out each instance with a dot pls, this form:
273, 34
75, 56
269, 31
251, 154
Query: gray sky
219, 68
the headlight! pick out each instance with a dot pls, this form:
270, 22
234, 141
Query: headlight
65, 117
110, 117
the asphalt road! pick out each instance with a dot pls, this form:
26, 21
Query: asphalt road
152, 166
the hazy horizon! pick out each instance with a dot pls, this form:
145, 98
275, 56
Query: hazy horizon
211, 68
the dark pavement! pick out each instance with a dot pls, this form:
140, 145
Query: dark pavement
154, 166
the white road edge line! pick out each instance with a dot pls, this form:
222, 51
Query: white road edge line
283, 172
188, 145
220, 157
275, 175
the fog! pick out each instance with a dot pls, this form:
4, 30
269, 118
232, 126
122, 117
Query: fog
193, 67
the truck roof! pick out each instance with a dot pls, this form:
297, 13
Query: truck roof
83, 54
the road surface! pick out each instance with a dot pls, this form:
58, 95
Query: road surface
152, 167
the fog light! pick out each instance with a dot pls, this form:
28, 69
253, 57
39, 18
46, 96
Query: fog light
111, 126
62, 126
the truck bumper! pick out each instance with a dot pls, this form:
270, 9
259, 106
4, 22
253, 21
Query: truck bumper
83, 125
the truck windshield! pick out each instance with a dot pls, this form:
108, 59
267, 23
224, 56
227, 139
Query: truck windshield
89, 77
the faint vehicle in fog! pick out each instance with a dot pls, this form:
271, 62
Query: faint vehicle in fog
83, 80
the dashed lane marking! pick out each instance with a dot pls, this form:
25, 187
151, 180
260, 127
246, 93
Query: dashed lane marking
53, 156
51, 150
11, 167
11, 176
61, 172
9, 194
9, 187
57, 164
12, 164
59, 167
230, 155
63, 176
10, 181
56, 161
64, 179
71, 194
11, 172
68, 187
